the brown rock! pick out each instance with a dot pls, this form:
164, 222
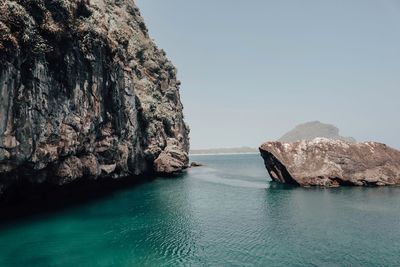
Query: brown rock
172, 159
330, 163
68, 171
168, 164
108, 169
90, 166
8, 141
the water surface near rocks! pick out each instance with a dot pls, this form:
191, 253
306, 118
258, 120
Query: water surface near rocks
224, 214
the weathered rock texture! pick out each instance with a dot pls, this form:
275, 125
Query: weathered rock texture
84, 93
326, 162
311, 130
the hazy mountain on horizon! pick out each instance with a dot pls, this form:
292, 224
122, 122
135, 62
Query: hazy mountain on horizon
236, 150
304, 131
311, 130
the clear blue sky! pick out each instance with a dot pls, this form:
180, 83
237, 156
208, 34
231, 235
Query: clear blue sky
252, 70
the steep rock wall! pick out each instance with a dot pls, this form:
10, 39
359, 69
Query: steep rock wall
85, 93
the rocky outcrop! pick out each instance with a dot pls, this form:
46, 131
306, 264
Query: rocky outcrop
85, 94
311, 130
330, 163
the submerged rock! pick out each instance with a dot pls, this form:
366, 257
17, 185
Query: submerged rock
195, 164
85, 93
326, 162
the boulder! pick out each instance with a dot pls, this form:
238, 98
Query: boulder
331, 163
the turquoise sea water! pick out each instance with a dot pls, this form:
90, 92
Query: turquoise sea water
227, 213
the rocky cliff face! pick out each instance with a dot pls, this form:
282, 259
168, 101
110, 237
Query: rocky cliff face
84, 94
326, 162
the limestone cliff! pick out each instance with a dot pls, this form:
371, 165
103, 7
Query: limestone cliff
85, 94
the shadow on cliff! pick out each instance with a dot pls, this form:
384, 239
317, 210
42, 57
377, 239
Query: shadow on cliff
25, 202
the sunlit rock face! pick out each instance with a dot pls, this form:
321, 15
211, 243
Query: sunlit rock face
84, 93
330, 163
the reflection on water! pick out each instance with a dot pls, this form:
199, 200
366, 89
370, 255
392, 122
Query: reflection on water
224, 214
213, 176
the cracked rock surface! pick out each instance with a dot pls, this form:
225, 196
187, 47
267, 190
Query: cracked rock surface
85, 94
330, 163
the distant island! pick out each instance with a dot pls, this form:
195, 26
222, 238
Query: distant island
239, 150
310, 130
